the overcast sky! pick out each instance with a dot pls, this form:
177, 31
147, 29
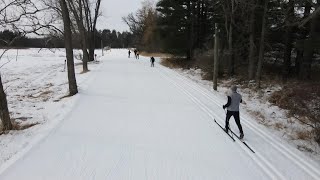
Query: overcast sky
114, 10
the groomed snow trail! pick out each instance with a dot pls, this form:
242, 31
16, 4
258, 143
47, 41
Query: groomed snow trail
137, 122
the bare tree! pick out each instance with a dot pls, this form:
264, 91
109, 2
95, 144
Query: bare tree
143, 25
73, 89
91, 18
77, 9
4, 111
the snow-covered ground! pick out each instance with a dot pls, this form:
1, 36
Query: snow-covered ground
35, 81
131, 121
265, 113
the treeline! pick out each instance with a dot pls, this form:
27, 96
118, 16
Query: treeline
251, 33
116, 39
104, 38
15, 39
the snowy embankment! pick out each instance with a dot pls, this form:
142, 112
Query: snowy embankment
35, 81
271, 116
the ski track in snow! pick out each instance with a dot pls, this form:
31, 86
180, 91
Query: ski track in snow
136, 122
266, 167
303, 163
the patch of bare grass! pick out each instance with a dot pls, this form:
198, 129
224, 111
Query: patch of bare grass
176, 63
260, 117
43, 96
303, 103
305, 148
45, 93
18, 126
316, 131
63, 97
304, 135
161, 55
279, 126
83, 72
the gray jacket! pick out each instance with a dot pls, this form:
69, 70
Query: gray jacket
234, 101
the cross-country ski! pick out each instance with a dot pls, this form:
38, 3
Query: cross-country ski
223, 129
243, 141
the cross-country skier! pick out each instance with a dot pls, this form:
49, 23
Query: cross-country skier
129, 52
152, 60
135, 53
234, 100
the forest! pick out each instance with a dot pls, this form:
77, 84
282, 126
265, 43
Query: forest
111, 38
249, 32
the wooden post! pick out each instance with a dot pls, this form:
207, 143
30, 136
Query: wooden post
216, 58
65, 64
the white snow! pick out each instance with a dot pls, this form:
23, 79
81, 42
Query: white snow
35, 80
131, 121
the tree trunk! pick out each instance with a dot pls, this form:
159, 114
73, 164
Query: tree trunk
91, 44
199, 22
261, 50
298, 61
85, 58
288, 41
73, 89
305, 32
252, 46
96, 15
305, 71
230, 42
216, 58
91, 23
82, 30
190, 33
91, 48
84, 39
4, 111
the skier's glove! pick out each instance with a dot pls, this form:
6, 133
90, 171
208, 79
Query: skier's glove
223, 106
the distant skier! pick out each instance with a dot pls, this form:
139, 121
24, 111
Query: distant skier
135, 53
129, 53
152, 60
234, 100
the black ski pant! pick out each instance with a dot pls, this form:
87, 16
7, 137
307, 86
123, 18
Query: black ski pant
152, 64
236, 117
